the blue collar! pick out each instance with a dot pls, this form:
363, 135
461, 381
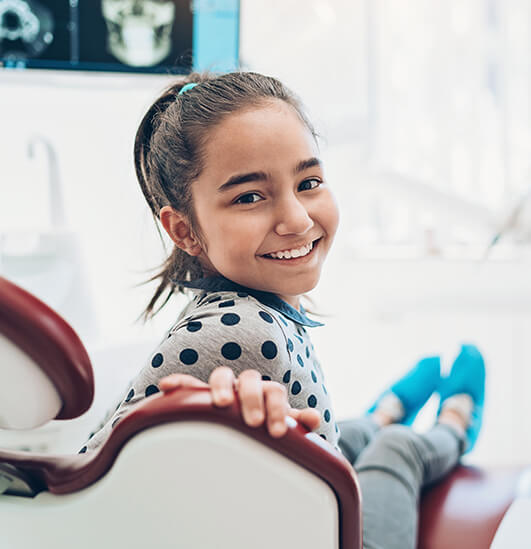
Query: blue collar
222, 284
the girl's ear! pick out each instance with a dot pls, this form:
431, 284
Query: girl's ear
178, 228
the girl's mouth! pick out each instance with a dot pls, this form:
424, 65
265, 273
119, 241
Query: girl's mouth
294, 256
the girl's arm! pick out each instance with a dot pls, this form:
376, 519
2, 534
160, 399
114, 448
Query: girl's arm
260, 400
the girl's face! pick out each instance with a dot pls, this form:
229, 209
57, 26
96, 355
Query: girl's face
266, 214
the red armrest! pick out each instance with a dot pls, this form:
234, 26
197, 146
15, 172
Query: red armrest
66, 474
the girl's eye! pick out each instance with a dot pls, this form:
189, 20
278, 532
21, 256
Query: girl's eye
309, 184
248, 198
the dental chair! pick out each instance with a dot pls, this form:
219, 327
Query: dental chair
179, 472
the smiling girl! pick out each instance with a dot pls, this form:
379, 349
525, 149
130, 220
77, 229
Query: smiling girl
230, 167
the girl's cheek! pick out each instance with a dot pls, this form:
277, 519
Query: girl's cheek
336, 207
332, 213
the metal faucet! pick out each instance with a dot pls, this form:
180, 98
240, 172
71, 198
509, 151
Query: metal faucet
56, 201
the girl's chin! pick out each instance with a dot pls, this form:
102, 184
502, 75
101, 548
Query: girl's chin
286, 287
293, 293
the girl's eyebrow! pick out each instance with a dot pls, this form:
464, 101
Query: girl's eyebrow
238, 179
306, 164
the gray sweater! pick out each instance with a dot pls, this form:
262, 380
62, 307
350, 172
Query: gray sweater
227, 325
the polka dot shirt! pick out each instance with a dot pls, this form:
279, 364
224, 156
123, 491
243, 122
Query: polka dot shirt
228, 325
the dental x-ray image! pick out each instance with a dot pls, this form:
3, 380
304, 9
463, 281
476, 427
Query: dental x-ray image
29, 29
111, 35
139, 32
136, 33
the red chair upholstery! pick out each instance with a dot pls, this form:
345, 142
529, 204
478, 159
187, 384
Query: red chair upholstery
466, 508
51, 343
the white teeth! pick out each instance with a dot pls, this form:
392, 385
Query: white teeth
288, 254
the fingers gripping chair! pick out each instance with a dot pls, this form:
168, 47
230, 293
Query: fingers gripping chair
178, 472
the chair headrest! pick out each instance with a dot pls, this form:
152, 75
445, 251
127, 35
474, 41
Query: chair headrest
51, 343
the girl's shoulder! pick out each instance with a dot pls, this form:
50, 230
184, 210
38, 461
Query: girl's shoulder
228, 308
223, 328
226, 325
229, 314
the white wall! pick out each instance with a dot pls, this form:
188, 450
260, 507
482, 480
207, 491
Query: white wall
384, 313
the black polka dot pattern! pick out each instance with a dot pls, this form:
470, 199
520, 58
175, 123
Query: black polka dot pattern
231, 351
296, 388
266, 316
83, 450
269, 350
151, 390
230, 319
188, 356
237, 329
194, 326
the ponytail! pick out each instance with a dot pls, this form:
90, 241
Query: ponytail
178, 265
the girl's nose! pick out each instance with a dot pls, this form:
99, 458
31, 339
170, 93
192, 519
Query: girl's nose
292, 218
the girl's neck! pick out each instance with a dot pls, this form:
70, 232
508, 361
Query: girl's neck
293, 300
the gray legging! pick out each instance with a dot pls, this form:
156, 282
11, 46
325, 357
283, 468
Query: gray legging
393, 464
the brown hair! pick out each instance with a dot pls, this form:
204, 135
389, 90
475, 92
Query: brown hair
168, 152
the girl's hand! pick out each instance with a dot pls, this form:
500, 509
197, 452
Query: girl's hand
260, 400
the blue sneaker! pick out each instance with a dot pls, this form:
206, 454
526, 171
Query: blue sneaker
415, 388
467, 377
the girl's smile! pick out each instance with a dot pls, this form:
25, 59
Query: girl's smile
265, 214
293, 256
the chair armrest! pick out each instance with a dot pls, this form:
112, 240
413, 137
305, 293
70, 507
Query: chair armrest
67, 474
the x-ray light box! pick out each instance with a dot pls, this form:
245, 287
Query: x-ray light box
153, 36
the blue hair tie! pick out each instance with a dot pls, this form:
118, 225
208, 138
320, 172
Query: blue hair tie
187, 87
